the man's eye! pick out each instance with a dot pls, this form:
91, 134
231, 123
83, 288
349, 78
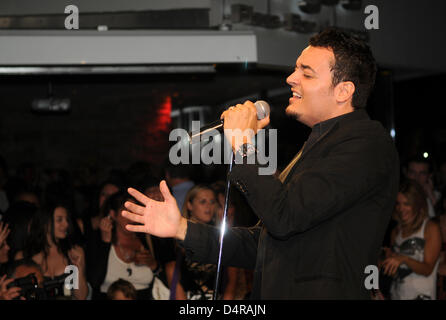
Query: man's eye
307, 76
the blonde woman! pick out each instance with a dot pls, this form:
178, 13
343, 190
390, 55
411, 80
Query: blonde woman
195, 281
416, 244
200, 204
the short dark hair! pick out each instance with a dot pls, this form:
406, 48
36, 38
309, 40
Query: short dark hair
127, 289
418, 159
354, 62
179, 170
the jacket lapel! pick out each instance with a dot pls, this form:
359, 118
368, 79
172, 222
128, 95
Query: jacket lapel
305, 151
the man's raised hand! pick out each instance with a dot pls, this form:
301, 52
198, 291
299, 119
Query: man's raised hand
160, 218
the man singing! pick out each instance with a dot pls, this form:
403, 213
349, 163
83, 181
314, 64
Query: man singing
322, 221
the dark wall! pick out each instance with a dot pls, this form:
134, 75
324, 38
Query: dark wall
109, 125
419, 114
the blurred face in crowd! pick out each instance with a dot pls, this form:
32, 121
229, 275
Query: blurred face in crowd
202, 207
60, 223
419, 172
404, 209
120, 221
154, 193
314, 99
106, 192
29, 197
4, 249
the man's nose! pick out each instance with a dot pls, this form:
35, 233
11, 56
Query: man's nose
293, 79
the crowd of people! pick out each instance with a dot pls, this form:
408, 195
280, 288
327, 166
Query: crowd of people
59, 240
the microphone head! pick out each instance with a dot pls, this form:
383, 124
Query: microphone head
263, 109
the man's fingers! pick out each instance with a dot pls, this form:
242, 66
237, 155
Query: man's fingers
133, 207
165, 191
263, 123
230, 109
139, 196
133, 228
132, 217
250, 105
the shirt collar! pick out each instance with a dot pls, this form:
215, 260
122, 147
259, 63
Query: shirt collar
322, 127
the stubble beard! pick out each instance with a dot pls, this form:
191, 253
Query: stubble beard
292, 113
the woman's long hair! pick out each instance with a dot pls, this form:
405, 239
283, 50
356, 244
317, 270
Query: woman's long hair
19, 216
42, 224
417, 200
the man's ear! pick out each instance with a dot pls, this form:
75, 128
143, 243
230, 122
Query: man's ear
344, 91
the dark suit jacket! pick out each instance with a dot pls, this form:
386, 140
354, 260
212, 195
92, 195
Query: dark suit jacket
323, 225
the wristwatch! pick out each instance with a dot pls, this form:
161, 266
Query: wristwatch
246, 150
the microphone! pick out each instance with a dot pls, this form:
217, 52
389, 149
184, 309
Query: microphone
263, 111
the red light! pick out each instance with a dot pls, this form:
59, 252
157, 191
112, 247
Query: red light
158, 126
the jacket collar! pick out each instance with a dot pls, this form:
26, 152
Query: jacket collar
330, 125
321, 129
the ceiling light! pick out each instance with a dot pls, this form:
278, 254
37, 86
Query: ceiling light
310, 6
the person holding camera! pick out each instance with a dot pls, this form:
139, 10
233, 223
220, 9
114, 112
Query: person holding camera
4, 248
6, 292
26, 279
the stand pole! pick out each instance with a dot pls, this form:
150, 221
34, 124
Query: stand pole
223, 227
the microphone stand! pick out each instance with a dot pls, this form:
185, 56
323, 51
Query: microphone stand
223, 227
